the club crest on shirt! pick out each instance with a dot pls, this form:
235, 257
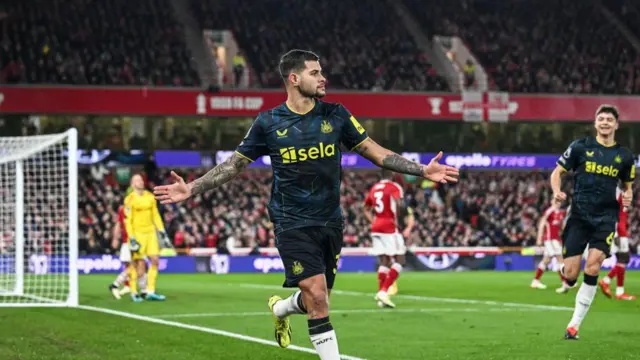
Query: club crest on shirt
326, 127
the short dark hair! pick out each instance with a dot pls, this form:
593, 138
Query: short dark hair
610, 109
293, 61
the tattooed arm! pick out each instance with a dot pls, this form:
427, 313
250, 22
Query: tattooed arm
222, 173
219, 175
387, 159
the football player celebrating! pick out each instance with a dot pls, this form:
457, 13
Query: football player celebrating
599, 164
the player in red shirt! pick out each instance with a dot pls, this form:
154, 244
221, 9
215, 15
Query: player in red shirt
125, 258
549, 229
621, 248
382, 206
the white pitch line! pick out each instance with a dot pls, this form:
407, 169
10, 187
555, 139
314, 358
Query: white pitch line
204, 329
427, 298
352, 311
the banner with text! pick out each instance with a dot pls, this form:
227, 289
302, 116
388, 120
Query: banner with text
518, 262
492, 106
92, 264
468, 160
170, 158
225, 264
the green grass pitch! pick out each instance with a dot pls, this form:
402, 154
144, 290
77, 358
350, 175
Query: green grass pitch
464, 315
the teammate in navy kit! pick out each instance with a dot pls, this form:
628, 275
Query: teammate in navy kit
599, 165
303, 137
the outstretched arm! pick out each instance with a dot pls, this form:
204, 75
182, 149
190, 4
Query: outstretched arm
222, 173
219, 175
388, 159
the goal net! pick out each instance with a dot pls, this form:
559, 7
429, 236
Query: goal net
39, 220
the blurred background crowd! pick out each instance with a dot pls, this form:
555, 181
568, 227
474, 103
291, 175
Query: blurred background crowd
484, 209
532, 46
557, 46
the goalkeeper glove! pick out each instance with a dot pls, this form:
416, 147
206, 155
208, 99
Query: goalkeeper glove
134, 245
165, 242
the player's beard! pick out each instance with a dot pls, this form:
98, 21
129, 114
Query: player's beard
310, 93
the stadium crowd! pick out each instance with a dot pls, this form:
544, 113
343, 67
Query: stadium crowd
372, 52
484, 209
93, 43
558, 46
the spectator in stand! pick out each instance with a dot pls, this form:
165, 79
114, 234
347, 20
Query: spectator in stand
239, 64
358, 52
559, 46
469, 74
484, 209
93, 42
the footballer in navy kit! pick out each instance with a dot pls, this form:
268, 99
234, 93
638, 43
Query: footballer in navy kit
304, 137
599, 165
305, 157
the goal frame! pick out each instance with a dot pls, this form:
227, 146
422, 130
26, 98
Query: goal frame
72, 300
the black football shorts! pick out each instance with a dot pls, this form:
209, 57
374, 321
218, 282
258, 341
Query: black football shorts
578, 233
309, 251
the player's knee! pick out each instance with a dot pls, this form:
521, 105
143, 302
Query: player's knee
385, 260
317, 303
571, 272
594, 262
154, 260
140, 267
316, 296
400, 259
592, 268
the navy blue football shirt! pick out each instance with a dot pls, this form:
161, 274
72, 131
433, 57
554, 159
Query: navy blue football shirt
306, 161
597, 169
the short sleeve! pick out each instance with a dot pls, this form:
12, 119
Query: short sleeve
368, 200
628, 173
397, 191
254, 143
353, 134
569, 160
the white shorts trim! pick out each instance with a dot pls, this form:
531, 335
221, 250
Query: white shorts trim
387, 244
552, 248
125, 253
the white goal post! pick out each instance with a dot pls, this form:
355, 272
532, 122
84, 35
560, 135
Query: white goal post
39, 220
